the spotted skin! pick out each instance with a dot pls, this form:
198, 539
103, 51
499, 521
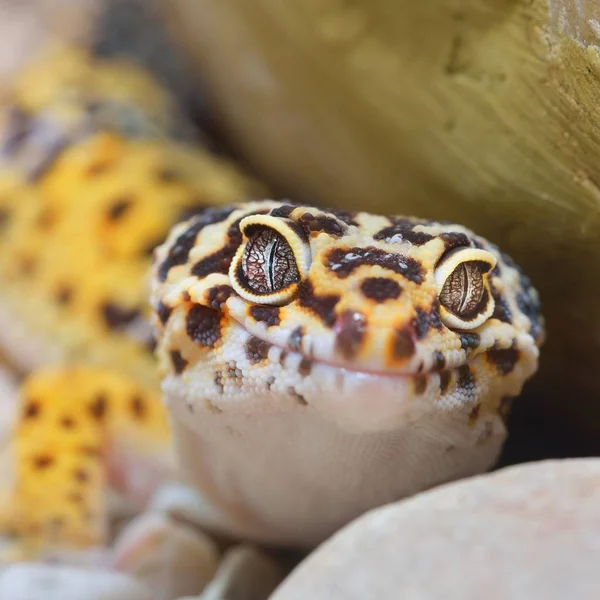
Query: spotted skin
92, 176
69, 445
353, 391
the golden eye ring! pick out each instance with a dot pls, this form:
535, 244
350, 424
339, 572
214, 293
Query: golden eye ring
463, 287
273, 258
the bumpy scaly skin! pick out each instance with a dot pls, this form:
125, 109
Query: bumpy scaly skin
91, 180
291, 420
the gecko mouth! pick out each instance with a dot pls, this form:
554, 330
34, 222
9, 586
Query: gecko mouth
349, 368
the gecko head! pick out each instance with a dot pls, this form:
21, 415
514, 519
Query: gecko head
354, 313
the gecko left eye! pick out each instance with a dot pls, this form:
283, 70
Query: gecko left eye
463, 287
272, 260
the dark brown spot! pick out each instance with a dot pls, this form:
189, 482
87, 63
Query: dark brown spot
118, 317
219, 381
67, 423
179, 251
318, 223
138, 407
266, 314
284, 211
257, 350
31, 410
501, 309
219, 261
295, 339
168, 175
380, 289
350, 327
282, 357
321, 306
474, 415
455, 239
466, 379
43, 461
203, 326
402, 230
342, 262
179, 363
164, 312
424, 321
119, 207
185, 296
439, 361
75, 497
468, 341
420, 384
305, 367
403, 345
444, 382
98, 407
81, 475
503, 359
217, 296
64, 295
98, 168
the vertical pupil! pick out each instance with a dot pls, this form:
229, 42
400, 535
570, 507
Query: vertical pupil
268, 263
272, 264
464, 291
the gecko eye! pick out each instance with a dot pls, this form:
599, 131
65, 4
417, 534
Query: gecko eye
272, 260
463, 287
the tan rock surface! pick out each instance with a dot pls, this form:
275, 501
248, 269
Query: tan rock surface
531, 531
480, 111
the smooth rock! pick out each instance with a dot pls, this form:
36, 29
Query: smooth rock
37, 581
525, 532
170, 558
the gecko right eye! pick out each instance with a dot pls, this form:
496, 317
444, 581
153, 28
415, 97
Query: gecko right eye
271, 262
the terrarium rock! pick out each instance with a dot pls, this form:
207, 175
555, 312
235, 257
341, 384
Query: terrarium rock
530, 531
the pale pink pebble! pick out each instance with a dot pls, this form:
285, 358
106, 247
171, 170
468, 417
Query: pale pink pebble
171, 558
522, 533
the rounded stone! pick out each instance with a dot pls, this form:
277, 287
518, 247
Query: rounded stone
530, 531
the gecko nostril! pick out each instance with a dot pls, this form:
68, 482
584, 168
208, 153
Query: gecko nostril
350, 327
